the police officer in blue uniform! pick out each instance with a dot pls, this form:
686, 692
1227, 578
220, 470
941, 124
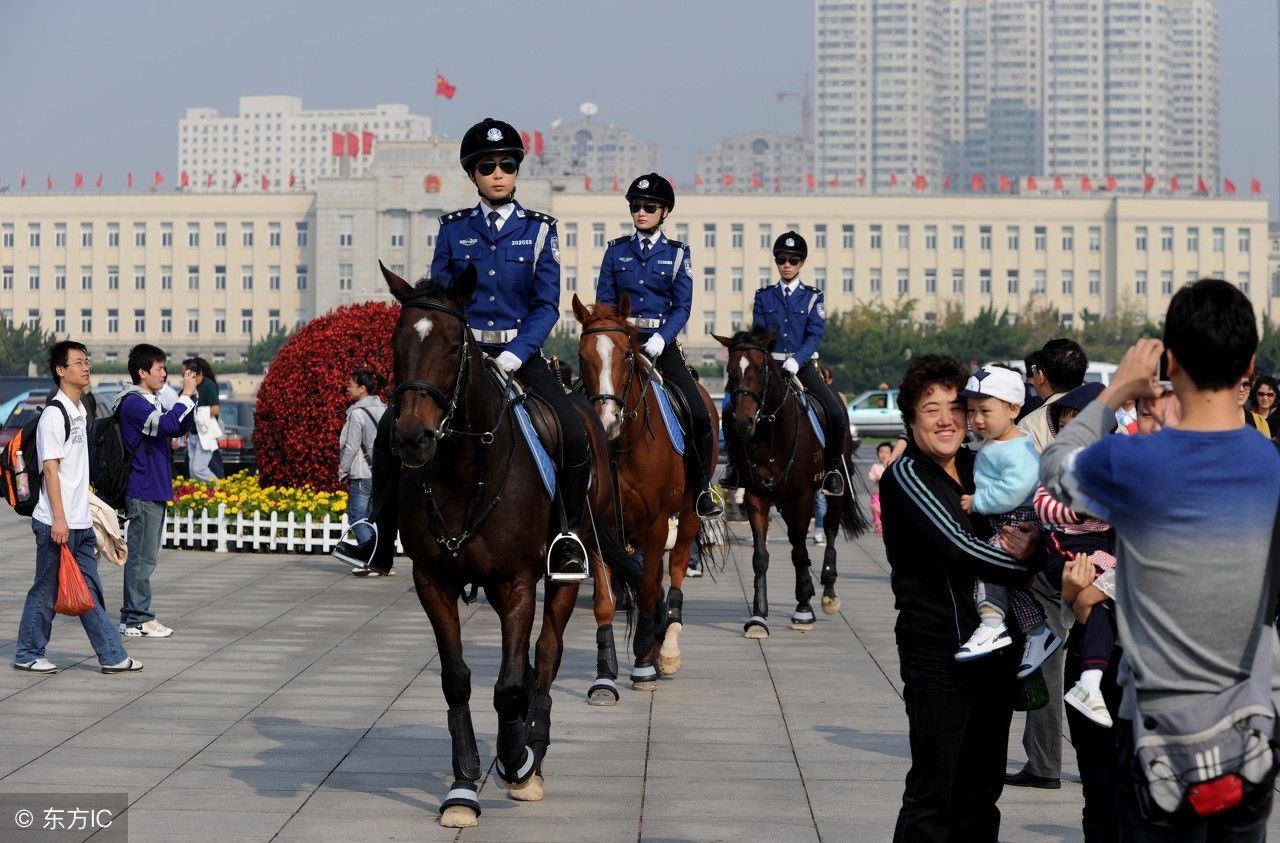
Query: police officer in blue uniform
655, 273
517, 302
795, 311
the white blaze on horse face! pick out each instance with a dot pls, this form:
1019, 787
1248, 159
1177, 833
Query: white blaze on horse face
743, 364
423, 327
608, 414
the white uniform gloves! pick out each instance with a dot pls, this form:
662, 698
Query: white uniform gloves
654, 345
790, 366
508, 362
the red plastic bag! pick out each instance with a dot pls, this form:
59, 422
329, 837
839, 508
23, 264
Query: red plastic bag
73, 595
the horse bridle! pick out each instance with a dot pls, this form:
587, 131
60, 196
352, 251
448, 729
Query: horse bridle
448, 403
628, 359
760, 414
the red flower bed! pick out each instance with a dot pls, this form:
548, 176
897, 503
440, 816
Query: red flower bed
302, 402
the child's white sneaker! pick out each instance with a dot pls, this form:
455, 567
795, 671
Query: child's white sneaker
984, 641
1090, 704
1037, 650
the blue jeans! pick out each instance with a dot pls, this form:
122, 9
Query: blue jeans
146, 528
358, 494
37, 614
819, 510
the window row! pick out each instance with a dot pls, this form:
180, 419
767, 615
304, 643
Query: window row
8, 236
163, 321
301, 276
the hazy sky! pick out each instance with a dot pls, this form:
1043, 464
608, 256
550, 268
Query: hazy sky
100, 86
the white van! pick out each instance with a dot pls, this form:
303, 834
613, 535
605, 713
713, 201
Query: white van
1093, 373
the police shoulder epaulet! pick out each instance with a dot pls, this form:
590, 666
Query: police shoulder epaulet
456, 215
809, 287
539, 216
618, 241
675, 244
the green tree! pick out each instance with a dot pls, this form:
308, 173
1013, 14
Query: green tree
1269, 347
262, 352
563, 344
21, 345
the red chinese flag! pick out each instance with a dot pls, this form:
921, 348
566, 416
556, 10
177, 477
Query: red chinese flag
1173, 184
1111, 182
893, 180
1086, 184
1200, 186
98, 183
921, 182
366, 143
1148, 182
22, 182
697, 181
835, 181
157, 178
755, 181
946, 182
79, 180
1003, 183
525, 141
208, 180
976, 183
1255, 186
1031, 183
727, 179
184, 180
1057, 183
353, 144
293, 180
616, 185
809, 181
537, 145
444, 89
586, 183
339, 145
48, 182
777, 184
862, 178
239, 178
264, 183
1228, 187
129, 180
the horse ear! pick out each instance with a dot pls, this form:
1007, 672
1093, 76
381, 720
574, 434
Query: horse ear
464, 289
769, 339
725, 341
580, 311
399, 287
624, 306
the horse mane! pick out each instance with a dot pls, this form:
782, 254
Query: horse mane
603, 310
756, 336
431, 288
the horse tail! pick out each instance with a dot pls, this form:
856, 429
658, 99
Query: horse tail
626, 570
853, 521
713, 543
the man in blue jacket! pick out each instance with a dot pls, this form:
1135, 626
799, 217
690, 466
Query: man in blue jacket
654, 273
146, 430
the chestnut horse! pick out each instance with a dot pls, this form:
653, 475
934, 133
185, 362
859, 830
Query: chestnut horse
473, 511
780, 463
652, 485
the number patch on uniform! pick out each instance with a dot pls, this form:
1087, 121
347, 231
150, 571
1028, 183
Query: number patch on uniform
688, 267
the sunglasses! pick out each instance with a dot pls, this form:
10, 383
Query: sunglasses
508, 165
1266, 395
647, 207
793, 260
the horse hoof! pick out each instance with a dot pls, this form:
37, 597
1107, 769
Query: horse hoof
669, 662
459, 816
529, 791
603, 692
830, 605
669, 665
802, 627
755, 628
644, 685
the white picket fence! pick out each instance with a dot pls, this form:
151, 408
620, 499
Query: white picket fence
255, 533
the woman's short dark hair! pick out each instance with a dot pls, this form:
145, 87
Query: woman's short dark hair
367, 378
1262, 380
923, 372
199, 364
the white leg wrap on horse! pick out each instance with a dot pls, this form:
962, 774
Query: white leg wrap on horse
643, 673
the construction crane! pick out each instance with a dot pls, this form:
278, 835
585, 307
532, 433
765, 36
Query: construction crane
806, 107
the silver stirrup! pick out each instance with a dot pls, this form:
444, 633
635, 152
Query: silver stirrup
563, 577
351, 531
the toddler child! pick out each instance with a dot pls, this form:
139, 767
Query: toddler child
884, 456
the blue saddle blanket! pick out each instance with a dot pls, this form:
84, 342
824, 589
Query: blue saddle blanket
812, 413
669, 418
546, 467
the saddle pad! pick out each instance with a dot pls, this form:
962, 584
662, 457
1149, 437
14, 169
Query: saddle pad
813, 420
546, 468
669, 418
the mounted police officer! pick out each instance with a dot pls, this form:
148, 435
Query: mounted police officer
795, 312
517, 302
655, 273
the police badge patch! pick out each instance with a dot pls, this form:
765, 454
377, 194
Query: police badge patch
555, 249
643, 184
688, 267
791, 241
821, 312
470, 241
494, 135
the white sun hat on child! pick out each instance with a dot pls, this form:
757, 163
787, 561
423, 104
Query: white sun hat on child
992, 381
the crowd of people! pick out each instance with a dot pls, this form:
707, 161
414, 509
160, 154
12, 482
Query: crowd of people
1117, 518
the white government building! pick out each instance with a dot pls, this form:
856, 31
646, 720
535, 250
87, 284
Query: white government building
210, 272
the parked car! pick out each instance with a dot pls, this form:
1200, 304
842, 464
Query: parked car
236, 444
7, 407
875, 413
23, 412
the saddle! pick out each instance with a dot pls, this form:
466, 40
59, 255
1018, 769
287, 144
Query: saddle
817, 411
538, 424
676, 415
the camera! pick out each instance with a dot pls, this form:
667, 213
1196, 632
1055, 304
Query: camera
1162, 372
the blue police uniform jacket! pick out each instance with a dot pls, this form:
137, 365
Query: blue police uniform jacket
799, 320
660, 286
517, 273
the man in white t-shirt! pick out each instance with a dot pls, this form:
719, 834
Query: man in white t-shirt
61, 517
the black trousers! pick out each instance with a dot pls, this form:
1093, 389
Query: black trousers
959, 720
572, 479
1094, 745
676, 372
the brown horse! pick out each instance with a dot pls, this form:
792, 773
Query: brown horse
780, 464
651, 482
473, 512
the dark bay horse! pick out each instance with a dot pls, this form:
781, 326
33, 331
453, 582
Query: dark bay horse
473, 511
781, 464
652, 487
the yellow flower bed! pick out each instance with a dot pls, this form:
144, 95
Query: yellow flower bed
242, 494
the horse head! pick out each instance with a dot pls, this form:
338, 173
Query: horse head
432, 347
608, 359
751, 376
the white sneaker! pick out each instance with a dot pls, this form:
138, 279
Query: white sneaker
1089, 704
40, 665
150, 629
984, 641
819, 537
1038, 649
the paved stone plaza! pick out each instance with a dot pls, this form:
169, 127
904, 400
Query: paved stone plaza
296, 702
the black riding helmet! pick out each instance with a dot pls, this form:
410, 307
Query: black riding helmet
791, 243
655, 187
487, 137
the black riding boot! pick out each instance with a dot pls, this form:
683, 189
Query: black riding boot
706, 504
729, 477
567, 557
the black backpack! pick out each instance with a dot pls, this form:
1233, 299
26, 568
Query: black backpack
21, 467
110, 459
